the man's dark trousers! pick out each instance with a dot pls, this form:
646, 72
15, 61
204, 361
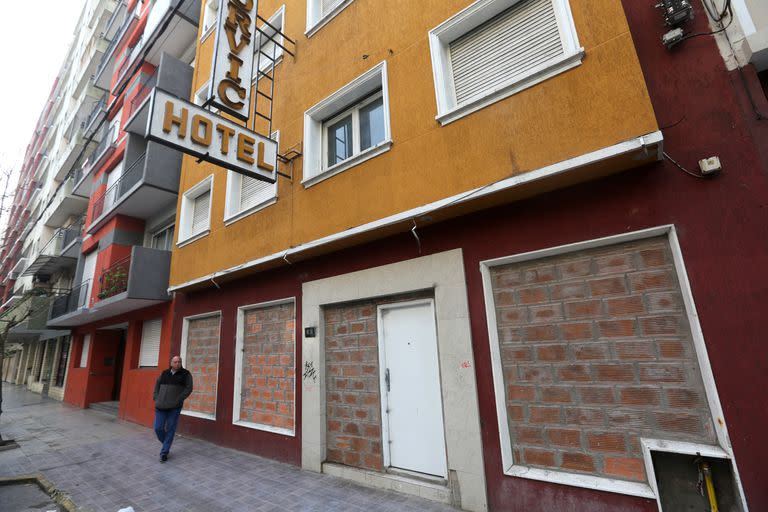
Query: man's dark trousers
165, 427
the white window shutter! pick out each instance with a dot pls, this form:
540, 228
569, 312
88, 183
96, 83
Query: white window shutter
200, 207
327, 6
505, 48
253, 192
150, 342
86, 349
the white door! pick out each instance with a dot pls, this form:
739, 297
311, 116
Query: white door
412, 412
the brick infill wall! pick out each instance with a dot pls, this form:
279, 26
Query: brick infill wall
268, 370
202, 359
596, 353
353, 395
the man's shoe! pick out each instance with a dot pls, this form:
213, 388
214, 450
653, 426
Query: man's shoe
163, 458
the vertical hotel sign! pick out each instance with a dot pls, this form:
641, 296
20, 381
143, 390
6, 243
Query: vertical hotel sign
233, 58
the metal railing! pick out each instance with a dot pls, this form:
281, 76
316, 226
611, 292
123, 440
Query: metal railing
144, 89
71, 301
115, 40
99, 108
112, 195
108, 140
72, 233
114, 280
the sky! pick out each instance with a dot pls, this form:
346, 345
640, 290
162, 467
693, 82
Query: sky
33, 45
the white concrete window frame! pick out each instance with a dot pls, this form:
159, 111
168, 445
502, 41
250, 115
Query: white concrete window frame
239, 342
467, 20
85, 351
183, 353
317, 19
316, 118
444, 274
644, 490
210, 16
276, 20
232, 210
186, 235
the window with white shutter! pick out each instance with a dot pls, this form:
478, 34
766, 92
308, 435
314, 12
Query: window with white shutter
246, 195
84, 352
496, 48
320, 12
195, 212
200, 211
149, 352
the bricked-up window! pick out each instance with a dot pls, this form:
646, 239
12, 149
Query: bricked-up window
596, 353
265, 371
200, 355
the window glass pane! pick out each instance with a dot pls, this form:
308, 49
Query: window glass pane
372, 124
340, 141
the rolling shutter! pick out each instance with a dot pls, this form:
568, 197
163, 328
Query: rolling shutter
84, 352
150, 342
200, 208
327, 6
253, 192
505, 48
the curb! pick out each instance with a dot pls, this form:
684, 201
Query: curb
46, 486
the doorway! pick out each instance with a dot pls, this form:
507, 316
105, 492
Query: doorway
413, 437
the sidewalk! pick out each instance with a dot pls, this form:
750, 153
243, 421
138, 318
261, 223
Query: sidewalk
105, 464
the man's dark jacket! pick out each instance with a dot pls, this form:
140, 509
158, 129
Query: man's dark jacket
172, 389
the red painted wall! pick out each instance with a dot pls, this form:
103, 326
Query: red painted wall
94, 383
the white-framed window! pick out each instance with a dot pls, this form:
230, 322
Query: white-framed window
195, 215
163, 238
347, 128
496, 48
320, 12
210, 15
86, 348
149, 352
268, 49
200, 344
266, 346
246, 195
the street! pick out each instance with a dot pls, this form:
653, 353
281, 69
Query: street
105, 464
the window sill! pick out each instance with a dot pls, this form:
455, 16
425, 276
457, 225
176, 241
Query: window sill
193, 238
253, 209
265, 428
597, 483
199, 415
536, 76
312, 29
207, 33
348, 163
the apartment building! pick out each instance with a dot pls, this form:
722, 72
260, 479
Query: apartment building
490, 271
43, 236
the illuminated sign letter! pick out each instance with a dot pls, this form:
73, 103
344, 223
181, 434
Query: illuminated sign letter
226, 134
261, 162
199, 121
245, 148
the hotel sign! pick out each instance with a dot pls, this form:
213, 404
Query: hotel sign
193, 130
233, 57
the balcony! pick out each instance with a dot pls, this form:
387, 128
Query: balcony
181, 34
17, 269
90, 62
104, 150
137, 282
59, 253
64, 204
97, 114
103, 76
34, 326
146, 187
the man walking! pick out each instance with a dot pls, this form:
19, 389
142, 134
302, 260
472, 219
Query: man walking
173, 386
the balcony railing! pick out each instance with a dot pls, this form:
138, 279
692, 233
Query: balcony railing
99, 108
115, 40
72, 233
112, 195
71, 301
114, 280
145, 87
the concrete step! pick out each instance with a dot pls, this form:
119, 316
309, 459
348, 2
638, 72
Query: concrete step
106, 407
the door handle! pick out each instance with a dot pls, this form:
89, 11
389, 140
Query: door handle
386, 378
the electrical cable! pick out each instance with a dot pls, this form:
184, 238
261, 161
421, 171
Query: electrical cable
675, 162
